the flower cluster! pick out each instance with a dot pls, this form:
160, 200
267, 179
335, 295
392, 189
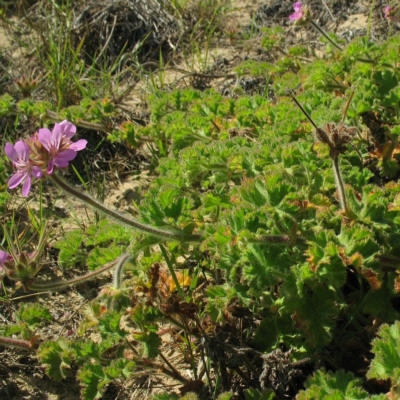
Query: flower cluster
41, 153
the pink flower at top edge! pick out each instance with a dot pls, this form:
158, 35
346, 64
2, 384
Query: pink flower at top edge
390, 14
25, 169
298, 12
59, 145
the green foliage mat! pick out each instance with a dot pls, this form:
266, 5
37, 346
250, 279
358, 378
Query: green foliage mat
297, 296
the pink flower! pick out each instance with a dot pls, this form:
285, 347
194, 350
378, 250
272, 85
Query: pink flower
299, 12
59, 146
25, 168
390, 14
3, 258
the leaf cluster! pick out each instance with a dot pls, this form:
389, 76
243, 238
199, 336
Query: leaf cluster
280, 265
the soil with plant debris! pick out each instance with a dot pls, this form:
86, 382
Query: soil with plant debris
127, 171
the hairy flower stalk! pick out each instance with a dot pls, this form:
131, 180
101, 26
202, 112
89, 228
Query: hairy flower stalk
336, 137
119, 269
52, 286
118, 217
392, 14
29, 345
325, 35
302, 16
340, 185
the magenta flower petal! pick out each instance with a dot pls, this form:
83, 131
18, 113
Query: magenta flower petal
295, 16
59, 146
3, 257
26, 187
45, 137
10, 152
57, 134
68, 129
64, 157
36, 172
24, 167
391, 14
300, 13
79, 145
18, 153
22, 150
297, 6
16, 179
50, 166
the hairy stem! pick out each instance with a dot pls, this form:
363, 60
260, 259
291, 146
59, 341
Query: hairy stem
360, 59
18, 343
339, 183
51, 286
325, 35
119, 269
124, 219
340, 186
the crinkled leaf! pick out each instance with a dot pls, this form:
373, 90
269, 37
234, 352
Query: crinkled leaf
109, 324
314, 315
120, 368
93, 379
33, 314
150, 343
386, 363
328, 385
57, 358
100, 256
71, 248
106, 232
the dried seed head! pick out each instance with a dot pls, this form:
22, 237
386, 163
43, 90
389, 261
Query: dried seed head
336, 136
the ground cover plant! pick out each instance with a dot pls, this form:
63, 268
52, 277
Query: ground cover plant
260, 257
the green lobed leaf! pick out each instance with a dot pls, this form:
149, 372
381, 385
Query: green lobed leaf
120, 369
57, 358
71, 249
328, 385
106, 232
150, 343
102, 255
109, 324
386, 362
93, 379
33, 314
